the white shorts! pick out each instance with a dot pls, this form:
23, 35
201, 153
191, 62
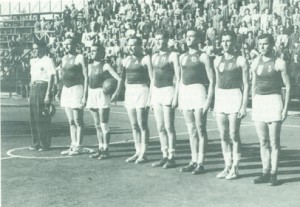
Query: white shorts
191, 96
267, 108
136, 96
71, 97
162, 96
97, 99
228, 101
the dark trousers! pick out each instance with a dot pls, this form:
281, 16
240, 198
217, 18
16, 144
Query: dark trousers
40, 124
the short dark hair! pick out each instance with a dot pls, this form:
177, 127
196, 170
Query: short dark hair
162, 32
229, 33
269, 37
139, 40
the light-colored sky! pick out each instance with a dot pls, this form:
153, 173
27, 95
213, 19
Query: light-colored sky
34, 5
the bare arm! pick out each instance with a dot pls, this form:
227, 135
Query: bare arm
50, 81
281, 65
210, 75
253, 72
175, 60
242, 62
80, 60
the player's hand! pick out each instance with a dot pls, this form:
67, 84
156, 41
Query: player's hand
83, 102
47, 100
174, 103
283, 114
114, 97
242, 113
205, 107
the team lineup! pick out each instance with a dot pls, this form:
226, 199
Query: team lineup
165, 81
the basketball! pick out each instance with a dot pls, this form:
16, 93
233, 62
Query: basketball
109, 86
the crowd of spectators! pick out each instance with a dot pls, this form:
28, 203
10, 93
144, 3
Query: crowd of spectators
110, 22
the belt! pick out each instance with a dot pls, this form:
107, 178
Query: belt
39, 81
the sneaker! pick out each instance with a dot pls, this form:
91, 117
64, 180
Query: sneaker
273, 180
170, 163
76, 151
96, 154
189, 168
33, 148
104, 155
66, 152
223, 174
233, 174
141, 159
133, 158
43, 149
198, 170
160, 163
264, 178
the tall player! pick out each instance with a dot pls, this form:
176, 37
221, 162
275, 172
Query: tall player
98, 101
137, 74
231, 97
269, 111
193, 100
164, 97
74, 94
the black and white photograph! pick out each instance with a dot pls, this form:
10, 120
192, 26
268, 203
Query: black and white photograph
150, 103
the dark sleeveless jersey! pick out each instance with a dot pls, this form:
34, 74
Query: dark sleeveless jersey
96, 75
268, 80
135, 72
193, 71
71, 73
230, 75
163, 71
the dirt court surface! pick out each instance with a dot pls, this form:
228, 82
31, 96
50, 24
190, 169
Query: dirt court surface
42, 179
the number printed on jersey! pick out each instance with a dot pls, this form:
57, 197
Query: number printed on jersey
221, 67
259, 69
194, 59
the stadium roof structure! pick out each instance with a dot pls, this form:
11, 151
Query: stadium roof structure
8, 7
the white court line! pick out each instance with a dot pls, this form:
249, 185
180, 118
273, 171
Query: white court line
6, 158
11, 155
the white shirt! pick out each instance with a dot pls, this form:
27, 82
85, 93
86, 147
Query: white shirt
41, 69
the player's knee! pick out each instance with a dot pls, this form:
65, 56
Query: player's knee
201, 128
72, 122
135, 127
191, 128
97, 126
161, 129
104, 128
170, 129
275, 143
78, 122
234, 136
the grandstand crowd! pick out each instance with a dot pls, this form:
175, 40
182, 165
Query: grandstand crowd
111, 22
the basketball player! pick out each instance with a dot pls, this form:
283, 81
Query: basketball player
231, 97
137, 74
98, 101
193, 100
269, 110
74, 94
164, 97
